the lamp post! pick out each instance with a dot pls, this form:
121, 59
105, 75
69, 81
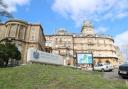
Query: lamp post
75, 60
67, 55
91, 52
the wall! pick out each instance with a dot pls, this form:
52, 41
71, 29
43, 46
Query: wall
35, 55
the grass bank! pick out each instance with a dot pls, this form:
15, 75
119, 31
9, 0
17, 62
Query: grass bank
37, 76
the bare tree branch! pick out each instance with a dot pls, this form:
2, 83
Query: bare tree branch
3, 11
2, 4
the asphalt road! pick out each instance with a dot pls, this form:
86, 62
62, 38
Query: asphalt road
113, 75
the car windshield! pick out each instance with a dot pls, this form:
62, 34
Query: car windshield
98, 65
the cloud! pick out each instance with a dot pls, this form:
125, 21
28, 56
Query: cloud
79, 10
122, 41
101, 30
13, 3
122, 38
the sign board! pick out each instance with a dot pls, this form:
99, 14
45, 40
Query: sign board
35, 55
84, 58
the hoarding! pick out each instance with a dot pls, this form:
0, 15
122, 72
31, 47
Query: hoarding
84, 58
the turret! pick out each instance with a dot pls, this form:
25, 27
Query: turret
87, 28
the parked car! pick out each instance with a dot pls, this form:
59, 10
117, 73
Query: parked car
123, 70
103, 67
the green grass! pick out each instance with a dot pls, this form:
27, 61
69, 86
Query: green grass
37, 76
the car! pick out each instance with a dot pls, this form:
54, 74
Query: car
103, 67
123, 70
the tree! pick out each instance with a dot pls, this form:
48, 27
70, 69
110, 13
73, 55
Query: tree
8, 52
2, 55
3, 11
13, 52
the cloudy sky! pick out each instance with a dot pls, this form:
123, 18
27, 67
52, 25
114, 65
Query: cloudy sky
108, 16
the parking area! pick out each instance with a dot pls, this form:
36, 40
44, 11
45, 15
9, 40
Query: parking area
113, 75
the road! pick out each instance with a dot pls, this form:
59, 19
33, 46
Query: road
111, 75
114, 76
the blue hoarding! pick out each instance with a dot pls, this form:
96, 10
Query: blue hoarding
84, 58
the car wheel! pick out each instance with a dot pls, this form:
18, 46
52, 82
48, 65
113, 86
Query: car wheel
102, 70
121, 77
110, 70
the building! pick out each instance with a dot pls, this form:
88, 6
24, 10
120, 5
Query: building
68, 45
24, 35
120, 56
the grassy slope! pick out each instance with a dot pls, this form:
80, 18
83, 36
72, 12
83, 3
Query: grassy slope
52, 77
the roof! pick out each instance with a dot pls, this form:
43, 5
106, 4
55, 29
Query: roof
16, 20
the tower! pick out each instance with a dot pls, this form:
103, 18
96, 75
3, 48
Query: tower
87, 28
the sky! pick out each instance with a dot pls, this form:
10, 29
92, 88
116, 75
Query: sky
109, 17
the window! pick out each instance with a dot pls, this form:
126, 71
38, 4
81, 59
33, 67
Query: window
22, 32
33, 30
2, 31
60, 40
13, 30
56, 39
33, 36
14, 27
